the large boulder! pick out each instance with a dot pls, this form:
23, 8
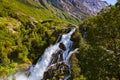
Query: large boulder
62, 46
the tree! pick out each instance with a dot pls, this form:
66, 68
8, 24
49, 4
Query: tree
118, 3
103, 30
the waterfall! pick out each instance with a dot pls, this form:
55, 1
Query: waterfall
48, 60
43, 63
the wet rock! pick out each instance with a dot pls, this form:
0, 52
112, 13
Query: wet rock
54, 59
48, 75
56, 71
68, 30
62, 46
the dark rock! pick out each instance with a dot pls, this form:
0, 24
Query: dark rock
54, 59
62, 46
57, 57
68, 30
56, 71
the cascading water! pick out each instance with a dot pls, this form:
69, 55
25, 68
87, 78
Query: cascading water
48, 60
43, 63
45, 60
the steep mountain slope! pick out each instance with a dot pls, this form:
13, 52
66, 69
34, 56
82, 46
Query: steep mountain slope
79, 9
94, 6
100, 58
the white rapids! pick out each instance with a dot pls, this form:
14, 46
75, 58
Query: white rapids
43, 63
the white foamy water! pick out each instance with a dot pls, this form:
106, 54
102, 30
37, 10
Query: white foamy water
43, 63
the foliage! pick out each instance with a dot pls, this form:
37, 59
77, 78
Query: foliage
25, 31
99, 50
106, 34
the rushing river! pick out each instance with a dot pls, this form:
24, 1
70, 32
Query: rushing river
52, 57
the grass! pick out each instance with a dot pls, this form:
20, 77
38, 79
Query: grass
21, 41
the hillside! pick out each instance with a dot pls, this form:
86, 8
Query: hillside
25, 31
99, 56
27, 27
70, 10
79, 9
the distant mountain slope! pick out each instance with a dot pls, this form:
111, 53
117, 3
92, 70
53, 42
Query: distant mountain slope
94, 6
79, 9
71, 10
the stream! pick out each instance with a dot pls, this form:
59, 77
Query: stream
54, 63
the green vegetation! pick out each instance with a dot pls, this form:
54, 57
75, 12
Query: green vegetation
62, 13
25, 31
27, 28
99, 47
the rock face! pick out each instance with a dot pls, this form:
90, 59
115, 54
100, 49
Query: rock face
78, 8
94, 6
